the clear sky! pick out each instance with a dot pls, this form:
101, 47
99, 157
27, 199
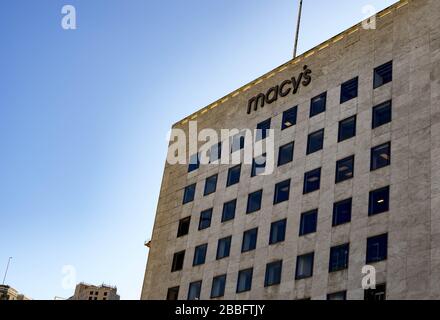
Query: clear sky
84, 116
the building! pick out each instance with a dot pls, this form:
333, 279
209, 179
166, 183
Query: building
84, 291
357, 181
8, 293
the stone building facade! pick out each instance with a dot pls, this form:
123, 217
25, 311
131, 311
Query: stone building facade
369, 195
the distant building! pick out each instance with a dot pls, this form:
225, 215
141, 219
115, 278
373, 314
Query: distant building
84, 291
9, 293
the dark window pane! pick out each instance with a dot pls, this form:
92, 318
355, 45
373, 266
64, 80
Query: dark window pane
304, 266
178, 259
200, 254
262, 130
183, 227
173, 294
223, 248
349, 90
337, 296
347, 129
378, 294
277, 232
342, 212
317, 105
312, 181
282, 191
205, 219
233, 175
344, 169
289, 118
229, 210
381, 156
383, 74
215, 153
286, 154
273, 273
377, 248
308, 222
249, 240
237, 142
254, 201
189, 193
339, 258
382, 114
379, 201
244, 281
258, 165
210, 185
194, 163
194, 290
315, 141
218, 286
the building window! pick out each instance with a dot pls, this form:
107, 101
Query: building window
347, 129
244, 281
383, 74
189, 193
308, 222
173, 294
273, 273
90, 298
379, 201
377, 248
380, 156
223, 248
233, 175
178, 259
229, 210
339, 258
342, 212
312, 181
282, 191
194, 290
337, 296
315, 141
249, 240
254, 202
194, 163
277, 232
215, 153
285, 154
349, 90
218, 286
317, 105
262, 130
210, 185
289, 118
344, 169
237, 142
183, 227
200, 255
258, 165
382, 114
205, 219
304, 266
378, 294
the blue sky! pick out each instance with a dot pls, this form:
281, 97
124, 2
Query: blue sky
84, 116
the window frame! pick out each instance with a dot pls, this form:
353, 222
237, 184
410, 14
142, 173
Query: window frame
276, 235
260, 192
306, 176
309, 141
275, 264
302, 231
185, 232
389, 106
313, 112
277, 192
351, 119
224, 219
289, 112
335, 222
210, 211
282, 149
345, 85
209, 192
338, 179
339, 267
227, 253
374, 167
229, 177
246, 234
